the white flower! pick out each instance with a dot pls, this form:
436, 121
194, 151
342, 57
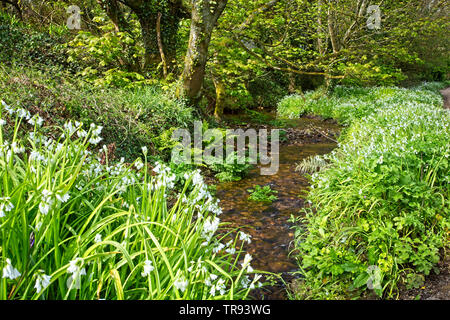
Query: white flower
82, 133
45, 205
144, 150
210, 227
42, 281
230, 250
181, 283
247, 260
36, 120
2, 122
219, 247
74, 281
95, 140
9, 271
22, 113
212, 277
138, 164
5, 206
44, 208
17, 149
219, 286
75, 265
245, 282
63, 198
245, 237
98, 238
157, 168
147, 268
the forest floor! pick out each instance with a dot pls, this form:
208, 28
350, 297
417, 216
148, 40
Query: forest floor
436, 286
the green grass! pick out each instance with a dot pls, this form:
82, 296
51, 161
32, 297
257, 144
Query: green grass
382, 201
74, 225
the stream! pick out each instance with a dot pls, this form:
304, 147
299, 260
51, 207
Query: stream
272, 234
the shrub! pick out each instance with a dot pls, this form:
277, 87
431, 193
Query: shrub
382, 200
131, 117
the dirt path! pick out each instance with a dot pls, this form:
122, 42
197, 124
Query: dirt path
436, 286
446, 94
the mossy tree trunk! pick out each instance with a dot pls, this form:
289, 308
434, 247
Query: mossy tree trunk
220, 98
204, 16
152, 57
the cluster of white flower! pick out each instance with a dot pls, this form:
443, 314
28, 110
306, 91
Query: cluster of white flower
148, 267
396, 125
138, 164
70, 129
219, 285
165, 178
46, 202
250, 284
42, 281
5, 206
7, 149
245, 237
76, 270
36, 120
10, 272
181, 283
210, 227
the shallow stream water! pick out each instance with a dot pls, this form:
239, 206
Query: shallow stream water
272, 234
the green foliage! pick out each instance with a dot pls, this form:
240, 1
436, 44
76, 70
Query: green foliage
346, 104
311, 164
383, 199
24, 44
131, 117
111, 58
370, 74
233, 168
73, 227
262, 194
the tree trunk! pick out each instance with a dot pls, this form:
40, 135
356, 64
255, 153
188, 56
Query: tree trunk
152, 57
160, 45
331, 32
220, 98
205, 14
320, 44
